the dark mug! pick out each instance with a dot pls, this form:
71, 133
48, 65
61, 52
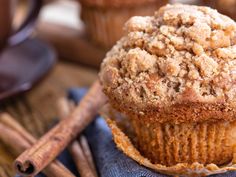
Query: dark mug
10, 36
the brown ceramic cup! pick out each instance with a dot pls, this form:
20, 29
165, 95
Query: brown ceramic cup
10, 36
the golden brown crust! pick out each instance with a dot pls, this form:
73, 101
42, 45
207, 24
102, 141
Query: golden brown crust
115, 3
182, 55
179, 113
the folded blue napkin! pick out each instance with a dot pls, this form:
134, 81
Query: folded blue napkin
110, 162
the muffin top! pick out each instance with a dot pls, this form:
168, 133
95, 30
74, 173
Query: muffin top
182, 59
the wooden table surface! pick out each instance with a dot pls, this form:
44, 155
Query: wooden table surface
36, 110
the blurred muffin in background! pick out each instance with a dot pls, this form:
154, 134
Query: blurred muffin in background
227, 7
104, 19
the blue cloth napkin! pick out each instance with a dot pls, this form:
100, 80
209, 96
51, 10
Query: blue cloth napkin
110, 162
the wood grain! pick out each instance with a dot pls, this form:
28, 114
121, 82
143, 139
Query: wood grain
37, 109
71, 44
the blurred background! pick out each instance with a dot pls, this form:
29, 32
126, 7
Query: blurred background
84, 30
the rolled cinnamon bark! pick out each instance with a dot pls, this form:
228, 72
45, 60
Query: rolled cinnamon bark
18, 139
36, 158
79, 148
86, 149
9, 121
80, 160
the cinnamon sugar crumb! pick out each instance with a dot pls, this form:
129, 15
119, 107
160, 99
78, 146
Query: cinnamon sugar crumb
185, 47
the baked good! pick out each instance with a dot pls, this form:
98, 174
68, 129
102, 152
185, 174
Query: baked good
226, 7
173, 76
104, 19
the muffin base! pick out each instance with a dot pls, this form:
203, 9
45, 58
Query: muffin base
194, 150
169, 144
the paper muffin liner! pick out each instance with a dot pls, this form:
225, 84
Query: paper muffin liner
197, 152
105, 25
170, 143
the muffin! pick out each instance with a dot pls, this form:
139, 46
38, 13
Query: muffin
173, 77
227, 7
104, 19
224, 6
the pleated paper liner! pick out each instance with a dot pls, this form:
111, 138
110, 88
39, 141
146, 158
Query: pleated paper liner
123, 136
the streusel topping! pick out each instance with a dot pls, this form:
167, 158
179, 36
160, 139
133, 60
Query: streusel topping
181, 54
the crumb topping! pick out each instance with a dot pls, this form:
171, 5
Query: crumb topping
181, 54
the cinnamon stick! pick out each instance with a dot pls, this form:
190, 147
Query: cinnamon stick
17, 138
9, 121
86, 149
52, 143
79, 149
64, 107
80, 160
